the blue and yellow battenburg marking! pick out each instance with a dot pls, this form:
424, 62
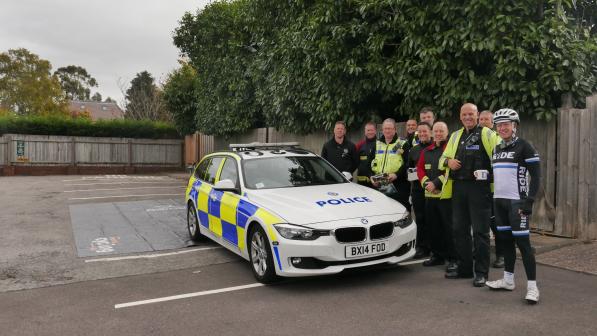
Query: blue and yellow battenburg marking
226, 215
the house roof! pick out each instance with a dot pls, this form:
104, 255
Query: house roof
97, 110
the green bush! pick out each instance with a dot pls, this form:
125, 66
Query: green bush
119, 128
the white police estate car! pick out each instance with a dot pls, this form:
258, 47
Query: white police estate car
290, 213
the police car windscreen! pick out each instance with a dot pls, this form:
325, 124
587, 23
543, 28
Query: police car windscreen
283, 172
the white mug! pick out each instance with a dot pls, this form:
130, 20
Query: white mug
412, 174
481, 174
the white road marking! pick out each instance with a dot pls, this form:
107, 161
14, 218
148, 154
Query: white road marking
412, 262
145, 182
188, 295
151, 256
121, 196
107, 177
166, 208
82, 190
196, 272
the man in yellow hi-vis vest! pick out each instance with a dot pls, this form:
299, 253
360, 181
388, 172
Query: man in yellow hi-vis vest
468, 158
389, 159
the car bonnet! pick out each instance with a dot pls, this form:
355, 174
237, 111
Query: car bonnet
317, 204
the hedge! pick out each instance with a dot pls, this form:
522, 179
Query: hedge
119, 128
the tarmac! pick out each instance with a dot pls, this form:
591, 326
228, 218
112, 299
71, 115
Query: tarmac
560, 252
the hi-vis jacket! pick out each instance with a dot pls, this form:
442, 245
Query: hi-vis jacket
428, 171
388, 157
488, 137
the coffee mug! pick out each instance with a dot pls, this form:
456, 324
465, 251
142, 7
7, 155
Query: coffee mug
481, 174
412, 174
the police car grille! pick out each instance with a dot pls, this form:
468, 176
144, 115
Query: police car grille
380, 231
350, 234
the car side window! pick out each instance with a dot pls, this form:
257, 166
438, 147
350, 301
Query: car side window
201, 169
229, 171
212, 170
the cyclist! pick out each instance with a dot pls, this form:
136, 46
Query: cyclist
514, 160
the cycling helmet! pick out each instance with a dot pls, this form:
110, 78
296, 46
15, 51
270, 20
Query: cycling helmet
504, 115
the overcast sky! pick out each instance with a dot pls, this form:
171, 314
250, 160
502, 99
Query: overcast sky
112, 39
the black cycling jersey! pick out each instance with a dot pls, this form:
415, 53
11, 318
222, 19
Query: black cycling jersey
512, 163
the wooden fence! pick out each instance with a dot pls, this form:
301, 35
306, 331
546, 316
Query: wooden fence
30, 152
567, 145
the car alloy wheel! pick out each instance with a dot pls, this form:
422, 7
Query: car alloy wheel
193, 223
262, 261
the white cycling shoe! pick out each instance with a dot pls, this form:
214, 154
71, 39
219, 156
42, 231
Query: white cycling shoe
532, 296
501, 284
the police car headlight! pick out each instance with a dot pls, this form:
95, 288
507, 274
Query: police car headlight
297, 232
404, 221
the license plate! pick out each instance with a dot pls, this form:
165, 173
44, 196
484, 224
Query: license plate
355, 251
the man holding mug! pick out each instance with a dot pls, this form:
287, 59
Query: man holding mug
468, 158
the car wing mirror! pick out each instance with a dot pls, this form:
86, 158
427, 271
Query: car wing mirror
226, 185
347, 175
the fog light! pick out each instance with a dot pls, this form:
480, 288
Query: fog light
295, 260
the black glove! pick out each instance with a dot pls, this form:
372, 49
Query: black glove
526, 207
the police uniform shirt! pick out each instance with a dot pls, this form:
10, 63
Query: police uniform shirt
343, 157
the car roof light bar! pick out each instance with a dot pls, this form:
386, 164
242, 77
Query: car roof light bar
262, 145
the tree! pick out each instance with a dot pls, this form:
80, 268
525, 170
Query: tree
97, 97
302, 65
180, 98
109, 100
27, 86
219, 46
75, 82
143, 99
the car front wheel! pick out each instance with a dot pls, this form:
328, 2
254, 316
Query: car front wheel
260, 253
193, 224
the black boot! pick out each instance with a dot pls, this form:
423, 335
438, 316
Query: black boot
434, 261
421, 253
499, 262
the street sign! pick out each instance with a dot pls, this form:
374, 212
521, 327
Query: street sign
20, 148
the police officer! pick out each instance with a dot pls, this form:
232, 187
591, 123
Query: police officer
438, 206
468, 158
339, 151
411, 132
426, 115
514, 161
366, 151
389, 160
486, 120
417, 193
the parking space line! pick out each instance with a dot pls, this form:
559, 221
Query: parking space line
109, 177
82, 190
185, 296
154, 255
100, 183
121, 196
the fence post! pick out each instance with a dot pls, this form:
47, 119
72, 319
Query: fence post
130, 146
72, 169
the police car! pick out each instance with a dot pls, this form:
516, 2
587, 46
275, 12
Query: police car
290, 213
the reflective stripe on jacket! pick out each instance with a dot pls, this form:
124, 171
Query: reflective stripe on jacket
488, 138
428, 170
388, 157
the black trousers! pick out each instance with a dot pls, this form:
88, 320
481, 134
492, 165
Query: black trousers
439, 218
514, 229
471, 208
423, 228
499, 244
403, 196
